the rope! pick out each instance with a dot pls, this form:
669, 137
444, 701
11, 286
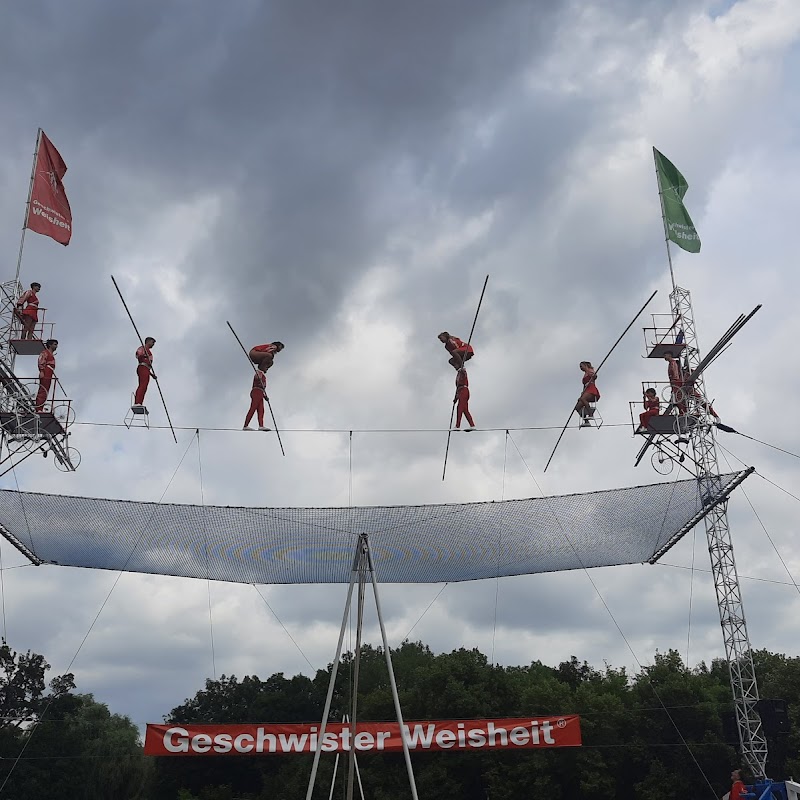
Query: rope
285, 630
499, 549
3, 595
120, 573
405, 638
208, 568
741, 577
766, 532
691, 595
619, 629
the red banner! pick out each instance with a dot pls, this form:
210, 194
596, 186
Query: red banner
370, 737
49, 212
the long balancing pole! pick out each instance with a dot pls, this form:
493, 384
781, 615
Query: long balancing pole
452, 411
255, 370
614, 347
139, 337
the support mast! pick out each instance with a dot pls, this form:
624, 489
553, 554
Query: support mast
738, 650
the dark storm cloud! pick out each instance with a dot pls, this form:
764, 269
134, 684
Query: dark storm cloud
295, 147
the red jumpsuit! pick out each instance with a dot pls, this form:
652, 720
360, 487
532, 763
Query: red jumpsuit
738, 791
675, 376
144, 355
462, 397
651, 409
257, 394
263, 354
47, 369
29, 314
589, 386
460, 351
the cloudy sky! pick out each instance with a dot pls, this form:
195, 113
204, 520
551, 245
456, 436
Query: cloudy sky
342, 177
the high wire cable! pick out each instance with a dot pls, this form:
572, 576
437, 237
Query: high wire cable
346, 430
120, 573
453, 407
139, 337
614, 346
263, 388
616, 624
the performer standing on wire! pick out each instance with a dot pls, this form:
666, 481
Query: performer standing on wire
257, 396
651, 408
144, 355
263, 355
459, 351
28, 310
47, 371
462, 398
591, 393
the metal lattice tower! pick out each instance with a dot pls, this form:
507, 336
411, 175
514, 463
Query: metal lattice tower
720, 547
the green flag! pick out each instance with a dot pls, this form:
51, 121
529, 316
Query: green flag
672, 186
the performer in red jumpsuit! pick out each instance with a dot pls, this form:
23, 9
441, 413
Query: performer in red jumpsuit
257, 396
262, 355
675, 377
590, 394
462, 398
28, 310
144, 355
651, 408
738, 789
459, 351
682, 389
47, 371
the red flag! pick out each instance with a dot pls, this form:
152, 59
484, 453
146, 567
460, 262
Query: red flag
48, 211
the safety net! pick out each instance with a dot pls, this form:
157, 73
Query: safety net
409, 544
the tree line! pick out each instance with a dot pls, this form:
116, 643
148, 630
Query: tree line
659, 733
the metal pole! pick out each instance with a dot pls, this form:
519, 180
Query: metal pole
334, 671
664, 220
28, 204
356, 669
387, 651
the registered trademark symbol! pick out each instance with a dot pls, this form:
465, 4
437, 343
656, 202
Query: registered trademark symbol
562, 723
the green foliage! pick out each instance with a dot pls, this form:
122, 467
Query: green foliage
654, 734
71, 745
633, 747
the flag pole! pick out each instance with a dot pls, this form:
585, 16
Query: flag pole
664, 220
28, 205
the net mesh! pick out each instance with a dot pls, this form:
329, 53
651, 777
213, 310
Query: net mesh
410, 544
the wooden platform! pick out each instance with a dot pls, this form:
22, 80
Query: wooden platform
30, 424
669, 425
658, 350
27, 347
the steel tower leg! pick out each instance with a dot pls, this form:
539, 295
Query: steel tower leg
723, 566
362, 570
